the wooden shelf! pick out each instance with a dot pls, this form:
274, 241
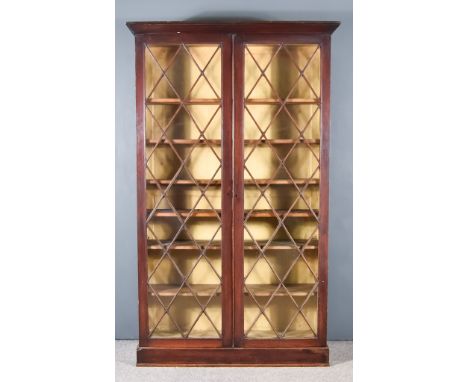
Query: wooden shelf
281, 245
266, 290
273, 101
165, 334
180, 141
281, 141
169, 290
270, 334
184, 213
212, 213
217, 182
177, 101
281, 182
216, 245
183, 182
218, 142
207, 290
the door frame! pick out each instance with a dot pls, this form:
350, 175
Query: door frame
323, 39
225, 41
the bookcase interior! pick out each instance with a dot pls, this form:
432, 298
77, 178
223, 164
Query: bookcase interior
183, 154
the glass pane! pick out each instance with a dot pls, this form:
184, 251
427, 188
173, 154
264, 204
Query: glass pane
183, 190
281, 193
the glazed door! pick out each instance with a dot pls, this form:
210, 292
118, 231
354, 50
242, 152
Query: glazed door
281, 188
184, 191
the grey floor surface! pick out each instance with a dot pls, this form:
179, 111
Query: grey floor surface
341, 369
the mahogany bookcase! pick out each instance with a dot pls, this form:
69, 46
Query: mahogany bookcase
232, 191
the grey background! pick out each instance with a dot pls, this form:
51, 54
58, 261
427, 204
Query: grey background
340, 308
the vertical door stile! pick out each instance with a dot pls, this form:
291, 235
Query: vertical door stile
227, 277
324, 191
238, 221
141, 190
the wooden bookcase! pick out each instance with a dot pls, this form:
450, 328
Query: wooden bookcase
232, 167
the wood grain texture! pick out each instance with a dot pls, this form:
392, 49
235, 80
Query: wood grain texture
259, 27
233, 349
324, 191
313, 356
141, 192
238, 219
226, 189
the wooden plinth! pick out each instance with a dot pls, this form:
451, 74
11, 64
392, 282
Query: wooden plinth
312, 356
